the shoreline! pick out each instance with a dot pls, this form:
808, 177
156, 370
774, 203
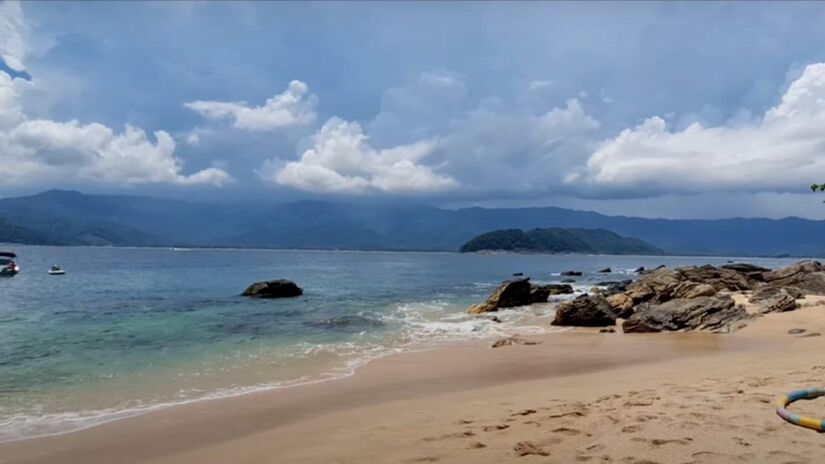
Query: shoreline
456, 252
179, 433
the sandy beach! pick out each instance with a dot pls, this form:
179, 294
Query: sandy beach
579, 396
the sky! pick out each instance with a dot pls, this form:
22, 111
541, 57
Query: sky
680, 110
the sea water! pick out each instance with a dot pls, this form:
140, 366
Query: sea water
128, 330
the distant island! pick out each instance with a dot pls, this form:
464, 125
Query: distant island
559, 240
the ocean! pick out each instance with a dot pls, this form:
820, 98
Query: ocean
128, 330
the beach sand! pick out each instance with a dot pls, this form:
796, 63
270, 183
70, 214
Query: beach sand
579, 396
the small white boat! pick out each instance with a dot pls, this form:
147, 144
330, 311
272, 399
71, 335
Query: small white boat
56, 270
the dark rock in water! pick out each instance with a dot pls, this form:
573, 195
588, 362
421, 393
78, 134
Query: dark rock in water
518, 274
585, 311
713, 313
511, 293
606, 270
568, 281
639, 270
280, 288
571, 273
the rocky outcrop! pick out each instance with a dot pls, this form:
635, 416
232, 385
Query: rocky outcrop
779, 302
280, 288
585, 311
790, 276
720, 278
751, 271
621, 304
571, 273
713, 313
606, 270
539, 294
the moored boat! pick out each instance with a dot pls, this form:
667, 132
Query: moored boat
56, 270
8, 268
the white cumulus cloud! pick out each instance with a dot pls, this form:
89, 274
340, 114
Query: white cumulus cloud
41, 150
12, 33
292, 107
783, 150
341, 160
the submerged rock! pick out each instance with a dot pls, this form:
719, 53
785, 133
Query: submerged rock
280, 288
585, 311
714, 313
606, 270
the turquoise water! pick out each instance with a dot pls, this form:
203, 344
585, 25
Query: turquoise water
127, 330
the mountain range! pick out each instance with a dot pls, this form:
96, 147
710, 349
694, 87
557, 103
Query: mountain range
59, 217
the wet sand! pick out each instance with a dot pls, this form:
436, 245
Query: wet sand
579, 396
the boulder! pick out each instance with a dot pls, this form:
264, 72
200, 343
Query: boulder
280, 288
571, 273
585, 311
713, 313
813, 284
656, 286
780, 302
793, 275
767, 293
606, 270
639, 270
621, 304
559, 289
693, 290
481, 308
568, 281
511, 293
539, 294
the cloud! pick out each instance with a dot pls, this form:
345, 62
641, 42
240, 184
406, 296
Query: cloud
292, 107
12, 32
781, 151
342, 161
42, 150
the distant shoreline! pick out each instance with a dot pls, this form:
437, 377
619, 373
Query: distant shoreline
355, 250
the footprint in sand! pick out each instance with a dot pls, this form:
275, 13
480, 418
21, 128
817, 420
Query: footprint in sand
526, 448
495, 428
477, 445
567, 431
525, 412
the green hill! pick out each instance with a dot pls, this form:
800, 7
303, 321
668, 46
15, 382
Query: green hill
559, 240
